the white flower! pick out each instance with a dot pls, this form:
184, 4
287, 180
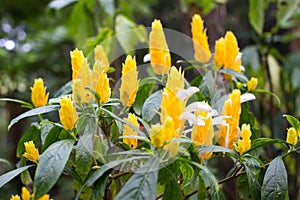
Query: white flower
247, 97
184, 94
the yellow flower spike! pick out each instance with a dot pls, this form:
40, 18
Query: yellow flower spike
228, 134
201, 47
252, 83
159, 51
244, 144
100, 81
31, 153
219, 52
25, 194
77, 60
232, 51
38, 93
203, 134
130, 82
67, 113
128, 131
171, 105
292, 136
100, 56
15, 197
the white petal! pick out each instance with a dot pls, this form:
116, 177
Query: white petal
147, 58
198, 106
200, 122
242, 68
214, 112
239, 56
247, 97
183, 94
219, 120
188, 116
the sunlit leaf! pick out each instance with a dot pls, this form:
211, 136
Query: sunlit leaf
256, 15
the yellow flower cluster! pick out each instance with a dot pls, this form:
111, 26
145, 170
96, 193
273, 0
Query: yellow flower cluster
38, 93
31, 153
26, 195
130, 82
67, 113
128, 131
83, 77
244, 144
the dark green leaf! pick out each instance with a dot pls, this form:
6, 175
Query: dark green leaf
5, 178
51, 165
100, 186
142, 185
151, 105
45, 129
172, 190
275, 183
256, 15
143, 93
252, 175
260, 142
33, 133
52, 136
33, 112
72, 173
201, 188
187, 172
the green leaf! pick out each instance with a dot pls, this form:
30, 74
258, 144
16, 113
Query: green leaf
66, 89
187, 172
151, 105
275, 183
91, 179
241, 77
260, 91
143, 93
52, 136
5, 178
128, 33
100, 186
286, 9
108, 6
214, 149
50, 166
142, 185
172, 190
33, 133
33, 112
201, 188
252, 175
256, 15
4, 161
294, 122
261, 142
23, 103
45, 129
243, 187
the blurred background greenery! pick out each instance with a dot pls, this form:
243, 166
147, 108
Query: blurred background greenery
37, 36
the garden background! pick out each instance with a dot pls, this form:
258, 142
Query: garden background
36, 38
